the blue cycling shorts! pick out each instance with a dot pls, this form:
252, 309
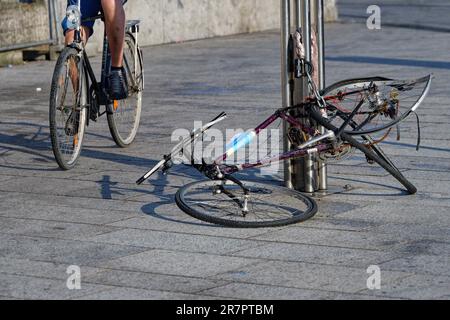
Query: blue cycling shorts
89, 8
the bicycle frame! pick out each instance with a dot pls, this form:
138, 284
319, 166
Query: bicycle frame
99, 88
301, 151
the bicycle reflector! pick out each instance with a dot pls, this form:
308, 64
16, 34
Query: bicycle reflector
73, 17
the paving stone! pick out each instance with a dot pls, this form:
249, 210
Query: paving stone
306, 276
41, 269
39, 228
405, 213
179, 263
420, 263
62, 251
124, 293
23, 287
248, 291
174, 241
185, 224
318, 254
332, 238
13, 209
152, 281
417, 287
414, 231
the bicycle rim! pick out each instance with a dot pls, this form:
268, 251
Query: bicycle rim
268, 205
382, 103
124, 121
67, 109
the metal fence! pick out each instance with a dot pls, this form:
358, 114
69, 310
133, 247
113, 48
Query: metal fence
32, 10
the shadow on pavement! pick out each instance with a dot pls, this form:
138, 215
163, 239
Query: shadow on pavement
392, 61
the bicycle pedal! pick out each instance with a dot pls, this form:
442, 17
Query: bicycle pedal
93, 117
369, 161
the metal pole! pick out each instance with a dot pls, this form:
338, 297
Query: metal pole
50, 19
309, 176
323, 179
55, 22
25, 45
297, 165
285, 92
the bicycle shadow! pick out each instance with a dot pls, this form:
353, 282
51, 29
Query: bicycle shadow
33, 140
166, 198
351, 191
169, 198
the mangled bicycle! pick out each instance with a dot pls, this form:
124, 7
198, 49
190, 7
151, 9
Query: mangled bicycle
357, 114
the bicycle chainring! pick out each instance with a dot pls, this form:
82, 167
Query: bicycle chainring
342, 152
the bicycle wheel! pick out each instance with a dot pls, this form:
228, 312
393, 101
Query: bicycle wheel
374, 155
375, 104
67, 114
124, 120
222, 203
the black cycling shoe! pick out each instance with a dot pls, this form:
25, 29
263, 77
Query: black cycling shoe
117, 84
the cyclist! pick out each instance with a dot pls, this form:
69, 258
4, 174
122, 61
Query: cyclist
115, 29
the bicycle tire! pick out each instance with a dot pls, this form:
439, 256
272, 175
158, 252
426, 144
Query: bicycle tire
124, 134
261, 196
370, 154
73, 128
395, 100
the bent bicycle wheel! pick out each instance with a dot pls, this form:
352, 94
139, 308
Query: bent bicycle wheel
373, 104
374, 154
126, 114
67, 114
222, 203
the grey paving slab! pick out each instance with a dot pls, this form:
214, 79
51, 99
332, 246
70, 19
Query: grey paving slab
61, 230
5, 178
306, 276
23, 287
41, 269
328, 219
414, 231
185, 224
52, 186
318, 254
15, 199
418, 287
251, 291
175, 241
390, 197
179, 263
29, 209
124, 293
405, 213
152, 281
332, 238
389, 182
420, 263
62, 251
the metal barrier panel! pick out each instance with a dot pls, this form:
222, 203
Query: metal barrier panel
25, 25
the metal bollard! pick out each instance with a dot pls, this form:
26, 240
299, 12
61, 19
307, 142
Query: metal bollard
305, 174
285, 92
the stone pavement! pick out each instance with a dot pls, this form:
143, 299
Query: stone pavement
134, 243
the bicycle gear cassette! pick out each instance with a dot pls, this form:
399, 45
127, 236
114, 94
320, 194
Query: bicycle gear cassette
296, 136
342, 152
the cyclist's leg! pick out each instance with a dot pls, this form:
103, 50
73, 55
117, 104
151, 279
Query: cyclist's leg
88, 9
115, 29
